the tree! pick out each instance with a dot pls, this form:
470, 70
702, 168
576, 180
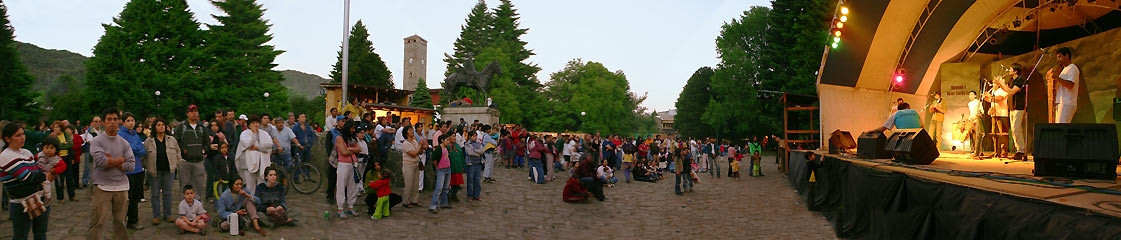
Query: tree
475, 35
366, 67
734, 110
691, 105
152, 45
242, 69
604, 96
421, 98
516, 91
795, 39
17, 102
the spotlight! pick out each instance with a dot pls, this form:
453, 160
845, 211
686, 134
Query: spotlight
1091, 1
1052, 9
844, 18
1030, 16
840, 25
844, 10
1016, 23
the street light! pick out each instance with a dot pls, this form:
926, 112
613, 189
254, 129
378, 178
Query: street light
266, 101
158, 102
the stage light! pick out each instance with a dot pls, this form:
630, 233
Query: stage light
844, 18
898, 78
1016, 23
837, 33
845, 10
840, 25
835, 45
836, 39
1029, 17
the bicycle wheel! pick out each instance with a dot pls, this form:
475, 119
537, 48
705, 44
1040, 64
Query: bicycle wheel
309, 179
220, 186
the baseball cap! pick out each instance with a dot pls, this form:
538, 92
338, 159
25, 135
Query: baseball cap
192, 108
243, 117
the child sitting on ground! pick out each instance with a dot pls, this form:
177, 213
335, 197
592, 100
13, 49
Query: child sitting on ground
192, 217
383, 189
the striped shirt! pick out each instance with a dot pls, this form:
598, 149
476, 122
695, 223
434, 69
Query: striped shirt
20, 173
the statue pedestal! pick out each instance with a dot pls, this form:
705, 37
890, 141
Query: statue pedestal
484, 114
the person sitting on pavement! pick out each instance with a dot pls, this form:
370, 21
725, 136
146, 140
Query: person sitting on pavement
237, 200
273, 196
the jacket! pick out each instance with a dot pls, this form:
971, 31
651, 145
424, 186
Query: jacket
173, 157
381, 186
194, 141
536, 150
474, 151
138, 149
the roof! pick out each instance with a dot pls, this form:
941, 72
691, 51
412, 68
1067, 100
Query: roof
918, 36
362, 89
399, 108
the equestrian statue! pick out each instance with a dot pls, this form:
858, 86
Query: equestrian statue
467, 76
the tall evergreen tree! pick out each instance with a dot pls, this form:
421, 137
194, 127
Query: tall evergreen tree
691, 105
152, 45
421, 98
17, 101
475, 35
516, 91
795, 39
366, 66
242, 69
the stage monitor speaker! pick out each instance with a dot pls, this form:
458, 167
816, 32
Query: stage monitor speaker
1076, 150
912, 146
841, 140
870, 145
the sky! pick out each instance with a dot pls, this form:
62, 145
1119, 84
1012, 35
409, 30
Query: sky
658, 44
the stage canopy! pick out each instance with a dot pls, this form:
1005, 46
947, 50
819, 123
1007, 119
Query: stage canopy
882, 36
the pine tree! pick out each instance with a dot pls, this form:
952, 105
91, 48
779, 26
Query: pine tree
152, 45
475, 35
691, 105
366, 66
521, 100
243, 62
17, 101
421, 98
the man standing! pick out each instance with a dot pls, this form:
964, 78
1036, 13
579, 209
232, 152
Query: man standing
999, 113
305, 135
92, 132
194, 138
937, 117
232, 130
1019, 107
331, 121
975, 113
112, 157
1066, 94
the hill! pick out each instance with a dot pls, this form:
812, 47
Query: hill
301, 84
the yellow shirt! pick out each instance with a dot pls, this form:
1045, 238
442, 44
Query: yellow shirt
735, 166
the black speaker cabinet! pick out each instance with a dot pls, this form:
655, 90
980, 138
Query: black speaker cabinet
870, 145
912, 146
841, 140
1076, 150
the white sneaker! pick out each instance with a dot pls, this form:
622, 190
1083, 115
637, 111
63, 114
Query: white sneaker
143, 200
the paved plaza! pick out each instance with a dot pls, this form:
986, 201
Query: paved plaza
514, 208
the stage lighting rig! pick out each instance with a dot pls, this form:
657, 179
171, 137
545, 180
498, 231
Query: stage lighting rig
838, 26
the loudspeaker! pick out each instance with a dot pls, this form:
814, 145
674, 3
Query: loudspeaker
912, 146
870, 145
1076, 150
841, 140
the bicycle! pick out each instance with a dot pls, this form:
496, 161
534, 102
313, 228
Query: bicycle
306, 178
220, 186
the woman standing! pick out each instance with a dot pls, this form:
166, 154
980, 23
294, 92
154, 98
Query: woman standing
410, 167
346, 189
163, 157
252, 152
23, 182
458, 163
65, 143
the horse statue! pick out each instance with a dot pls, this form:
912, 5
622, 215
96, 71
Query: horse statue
467, 76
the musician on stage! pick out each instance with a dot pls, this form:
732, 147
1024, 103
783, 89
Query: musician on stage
938, 115
974, 116
903, 118
1066, 96
1018, 90
998, 110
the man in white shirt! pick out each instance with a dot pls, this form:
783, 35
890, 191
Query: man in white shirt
999, 113
1066, 92
332, 120
974, 115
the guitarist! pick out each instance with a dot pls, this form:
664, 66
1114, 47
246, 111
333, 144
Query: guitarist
975, 112
937, 116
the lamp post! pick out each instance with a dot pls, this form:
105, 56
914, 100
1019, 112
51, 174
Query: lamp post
158, 102
266, 101
582, 120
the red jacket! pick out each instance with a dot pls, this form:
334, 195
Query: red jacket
381, 186
537, 150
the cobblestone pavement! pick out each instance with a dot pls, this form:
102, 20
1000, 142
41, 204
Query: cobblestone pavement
514, 208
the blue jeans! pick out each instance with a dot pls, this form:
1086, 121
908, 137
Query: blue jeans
627, 170
86, 160
440, 193
474, 177
21, 222
682, 182
488, 159
537, 170
713, 167
611, 180
161, 193
284, 160
519, 161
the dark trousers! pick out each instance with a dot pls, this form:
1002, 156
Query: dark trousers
593, 186
331, 175
21, 222
135, 193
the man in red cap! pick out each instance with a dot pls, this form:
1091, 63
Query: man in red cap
193, 138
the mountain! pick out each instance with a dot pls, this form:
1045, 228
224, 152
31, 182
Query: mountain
48, 65
301, 84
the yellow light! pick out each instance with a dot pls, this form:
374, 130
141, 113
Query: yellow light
844, 18
840, 25
837, 33
845, 10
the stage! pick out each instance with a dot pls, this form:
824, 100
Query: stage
955, 197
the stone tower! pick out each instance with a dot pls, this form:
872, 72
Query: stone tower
416, 62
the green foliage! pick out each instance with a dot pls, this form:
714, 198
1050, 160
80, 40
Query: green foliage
421, 98
366, 67
604, 96
794, 45
475, 35
63, 102
692, 103
301, 84
50, 65
17, 102
312, 106
242, 67
152, 45
734, 110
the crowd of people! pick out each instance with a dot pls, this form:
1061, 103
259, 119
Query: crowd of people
123, 156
